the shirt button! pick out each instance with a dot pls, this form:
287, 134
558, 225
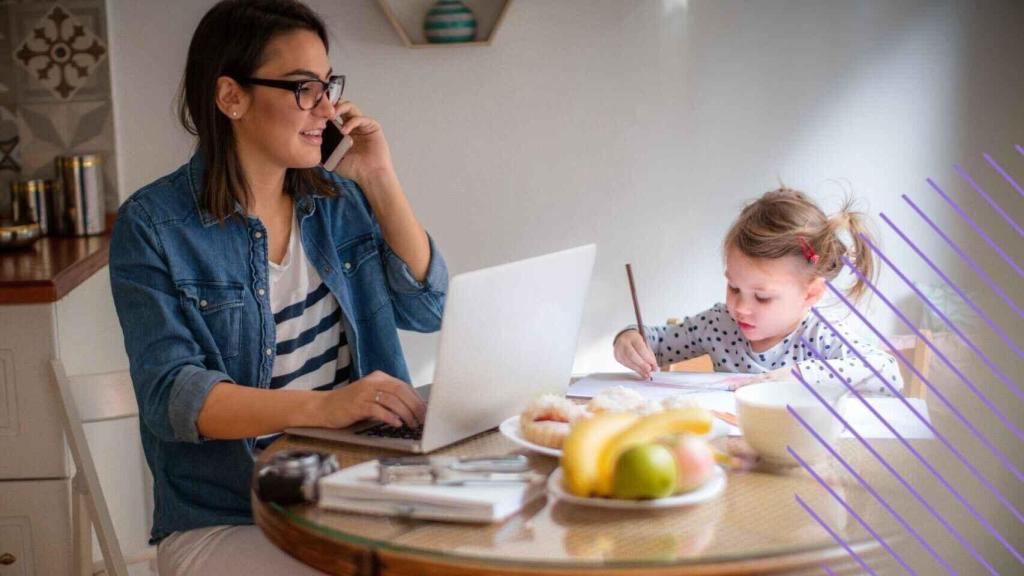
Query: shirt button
327, 269
258, 235
203, 303
269, 351
261, 291
348, 265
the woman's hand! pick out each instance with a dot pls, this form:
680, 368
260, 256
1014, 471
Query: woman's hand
377, 395
369, 155
632, 352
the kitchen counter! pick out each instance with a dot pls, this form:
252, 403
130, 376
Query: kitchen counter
50, 268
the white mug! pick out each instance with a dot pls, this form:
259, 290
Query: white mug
769, 427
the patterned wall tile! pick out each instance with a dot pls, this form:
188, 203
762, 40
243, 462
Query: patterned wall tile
60, 51
10, 156
7, 92
51, 130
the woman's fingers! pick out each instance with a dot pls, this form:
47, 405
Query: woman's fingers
378, 411
397, 407
346, 109
409, 399
360, 125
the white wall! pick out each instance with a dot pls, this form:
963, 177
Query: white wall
640, 125
644, 125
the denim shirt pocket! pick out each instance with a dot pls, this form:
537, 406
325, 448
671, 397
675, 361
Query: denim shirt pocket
220, 306
363, 272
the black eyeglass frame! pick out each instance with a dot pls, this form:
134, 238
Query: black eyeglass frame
296, 87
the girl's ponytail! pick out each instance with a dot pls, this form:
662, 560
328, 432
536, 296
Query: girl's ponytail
786, 222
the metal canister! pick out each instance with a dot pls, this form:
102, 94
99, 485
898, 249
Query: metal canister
80, 207
31, 201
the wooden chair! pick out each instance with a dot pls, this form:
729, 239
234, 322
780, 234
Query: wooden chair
914, 349
88, 399
699, 364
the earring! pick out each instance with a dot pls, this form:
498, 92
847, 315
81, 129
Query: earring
234, 114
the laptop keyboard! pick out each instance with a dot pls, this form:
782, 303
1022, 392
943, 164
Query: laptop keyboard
388, 431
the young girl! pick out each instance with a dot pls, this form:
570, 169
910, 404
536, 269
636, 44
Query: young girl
778, 255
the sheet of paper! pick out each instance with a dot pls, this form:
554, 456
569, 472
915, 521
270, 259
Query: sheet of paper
663, 384
856, 413
895, 413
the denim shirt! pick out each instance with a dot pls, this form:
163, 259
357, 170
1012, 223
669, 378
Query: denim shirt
193, 301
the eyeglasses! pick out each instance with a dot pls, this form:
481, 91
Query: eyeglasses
308, 93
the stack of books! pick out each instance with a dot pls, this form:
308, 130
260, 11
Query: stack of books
357, 489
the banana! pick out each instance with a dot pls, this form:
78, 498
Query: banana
692, 419
585, 444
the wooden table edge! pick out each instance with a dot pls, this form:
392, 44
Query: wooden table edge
336, 556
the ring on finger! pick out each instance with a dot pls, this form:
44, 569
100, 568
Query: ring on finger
376, 397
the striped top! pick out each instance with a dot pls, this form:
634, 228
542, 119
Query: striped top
312, 351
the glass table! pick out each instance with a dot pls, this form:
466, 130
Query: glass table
755, 526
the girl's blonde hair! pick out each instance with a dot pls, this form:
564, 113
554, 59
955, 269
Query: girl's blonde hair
785, 222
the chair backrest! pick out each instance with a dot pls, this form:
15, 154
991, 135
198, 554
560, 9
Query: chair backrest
919, 354
91, 399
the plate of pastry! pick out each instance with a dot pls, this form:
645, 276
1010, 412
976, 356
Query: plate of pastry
544, 425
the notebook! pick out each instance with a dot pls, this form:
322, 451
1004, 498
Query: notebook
355, 489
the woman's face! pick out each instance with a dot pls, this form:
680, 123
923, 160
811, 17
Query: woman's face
273, 127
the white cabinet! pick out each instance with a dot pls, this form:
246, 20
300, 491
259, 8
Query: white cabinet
35, 531
35, 468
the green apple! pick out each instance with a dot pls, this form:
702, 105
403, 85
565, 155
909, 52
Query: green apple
644, 471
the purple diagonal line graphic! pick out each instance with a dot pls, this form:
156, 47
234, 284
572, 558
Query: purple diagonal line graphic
832, 533
970, 261
864, 483
1006, 339
1003, 173
984, 357
917, 495
828, 570
959, 455
981, 395
1019, 149
970, 222
852, 512
938, 476
991, 202
938, 394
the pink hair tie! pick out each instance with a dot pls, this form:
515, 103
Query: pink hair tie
808, 251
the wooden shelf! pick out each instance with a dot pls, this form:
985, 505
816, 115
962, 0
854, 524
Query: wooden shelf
406, 17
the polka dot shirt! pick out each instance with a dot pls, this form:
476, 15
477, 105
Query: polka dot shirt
715, 333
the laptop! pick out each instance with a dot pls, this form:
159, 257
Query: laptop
508, 334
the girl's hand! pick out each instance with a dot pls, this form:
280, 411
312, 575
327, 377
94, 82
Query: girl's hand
377, 395
632, 352
741, 380
370, 155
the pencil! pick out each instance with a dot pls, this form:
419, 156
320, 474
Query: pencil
636, 306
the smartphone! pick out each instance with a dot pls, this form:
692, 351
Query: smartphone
333, 144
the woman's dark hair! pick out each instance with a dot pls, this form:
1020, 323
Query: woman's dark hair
230, 41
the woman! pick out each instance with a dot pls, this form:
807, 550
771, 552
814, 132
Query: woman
257, 291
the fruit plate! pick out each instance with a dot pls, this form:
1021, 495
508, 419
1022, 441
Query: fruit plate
510, 428
708, 491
